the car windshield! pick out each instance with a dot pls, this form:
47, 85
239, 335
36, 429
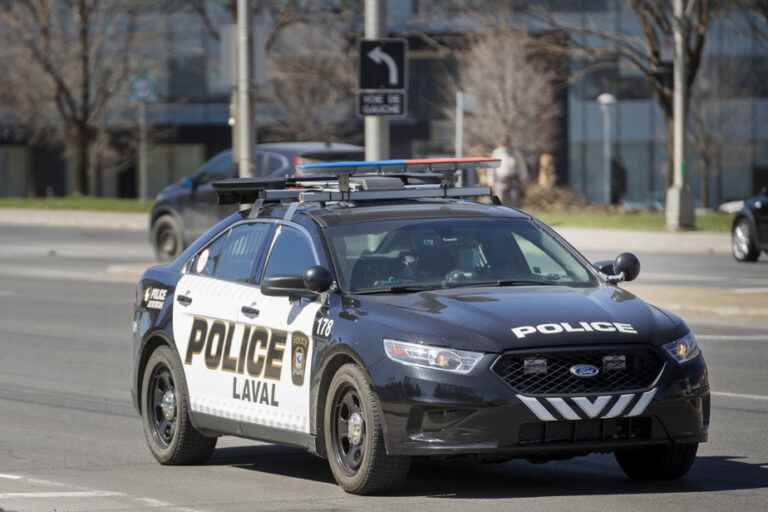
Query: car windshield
413, 255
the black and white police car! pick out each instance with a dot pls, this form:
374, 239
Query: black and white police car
376, 314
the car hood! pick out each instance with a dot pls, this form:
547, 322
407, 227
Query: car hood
503, 318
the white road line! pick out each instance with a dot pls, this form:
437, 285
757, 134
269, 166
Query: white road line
749, 290
151, 502
5, 293
732, 337
10, 477
725, 394
49, 495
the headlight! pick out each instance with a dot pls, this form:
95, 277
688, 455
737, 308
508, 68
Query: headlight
684, 349
437, 358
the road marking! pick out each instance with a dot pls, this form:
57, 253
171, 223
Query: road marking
10, 477
749, 290
5, 293
732, 337
725, 394
48, 495
151, 502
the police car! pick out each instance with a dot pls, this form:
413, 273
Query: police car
376, 312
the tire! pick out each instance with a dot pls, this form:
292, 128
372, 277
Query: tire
167, 238
658, 462
743, 245
360, 464
171, 437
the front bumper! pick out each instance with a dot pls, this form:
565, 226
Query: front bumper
428, 412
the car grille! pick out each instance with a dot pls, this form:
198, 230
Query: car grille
621, 369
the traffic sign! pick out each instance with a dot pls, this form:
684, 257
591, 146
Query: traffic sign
381, 103
143, 88
383, 63
383, 77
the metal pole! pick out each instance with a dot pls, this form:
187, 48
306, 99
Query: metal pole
376, 127
245, 140
143, 172
607, 153
679, 207
458, 140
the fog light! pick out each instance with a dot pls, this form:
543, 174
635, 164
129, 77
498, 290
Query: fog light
534, 366
612, 363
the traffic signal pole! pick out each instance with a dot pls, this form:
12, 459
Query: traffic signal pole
679, 207
376, 127
244, 118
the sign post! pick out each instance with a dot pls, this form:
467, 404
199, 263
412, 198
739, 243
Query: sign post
143, 90
382, 80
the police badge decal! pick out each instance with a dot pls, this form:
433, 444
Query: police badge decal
299, 349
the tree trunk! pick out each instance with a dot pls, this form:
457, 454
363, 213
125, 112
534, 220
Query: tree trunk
83, 160
705, 185
670, 123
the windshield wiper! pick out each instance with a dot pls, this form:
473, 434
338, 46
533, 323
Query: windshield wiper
506, 282
395, 289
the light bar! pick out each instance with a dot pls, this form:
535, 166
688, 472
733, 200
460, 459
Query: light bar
419, 164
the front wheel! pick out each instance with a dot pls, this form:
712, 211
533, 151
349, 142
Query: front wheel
165, 413
658, 462
167, 238
354, 438
743, 246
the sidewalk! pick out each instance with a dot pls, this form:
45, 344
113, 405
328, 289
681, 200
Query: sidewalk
581, 238
74, 219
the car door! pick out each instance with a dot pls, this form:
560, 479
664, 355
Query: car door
207, 332
204, 209
284, 327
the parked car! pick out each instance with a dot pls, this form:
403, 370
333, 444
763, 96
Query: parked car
184, 210
749, 232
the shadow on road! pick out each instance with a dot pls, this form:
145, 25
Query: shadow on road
584, 476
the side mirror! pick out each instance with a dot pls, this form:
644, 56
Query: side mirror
625, 267
188, 182
285, 286
318, 279
315, 280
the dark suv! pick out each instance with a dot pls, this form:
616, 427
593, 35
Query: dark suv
184, 210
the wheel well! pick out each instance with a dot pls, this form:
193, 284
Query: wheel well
331, 367
149, 347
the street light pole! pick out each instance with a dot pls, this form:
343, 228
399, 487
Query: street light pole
679, 205
376, 127
607, 101
244, 139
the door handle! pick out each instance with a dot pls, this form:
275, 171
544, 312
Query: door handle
249, 311
184, 300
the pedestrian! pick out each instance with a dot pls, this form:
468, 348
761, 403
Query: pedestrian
511, 176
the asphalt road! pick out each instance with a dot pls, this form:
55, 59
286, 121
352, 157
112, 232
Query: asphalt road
69, 439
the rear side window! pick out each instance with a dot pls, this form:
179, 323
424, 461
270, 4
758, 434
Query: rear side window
233, 256
291, 255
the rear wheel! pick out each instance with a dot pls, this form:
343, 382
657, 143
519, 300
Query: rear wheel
165, 412
658, 462
743, 246
167, 238
354, 438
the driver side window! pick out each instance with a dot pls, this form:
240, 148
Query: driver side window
220, 167
291, 254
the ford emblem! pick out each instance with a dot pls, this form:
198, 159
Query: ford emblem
584, 370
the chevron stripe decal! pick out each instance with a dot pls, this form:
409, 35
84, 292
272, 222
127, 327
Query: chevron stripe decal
582, 407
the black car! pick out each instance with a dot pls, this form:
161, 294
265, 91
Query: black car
387, 317
184, 210
749, 232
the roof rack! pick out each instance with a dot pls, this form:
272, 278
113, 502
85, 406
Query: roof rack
359, 181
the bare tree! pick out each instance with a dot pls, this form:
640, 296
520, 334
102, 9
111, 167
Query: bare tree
310, 48
645, 52
69, 63
511, 94
711, 119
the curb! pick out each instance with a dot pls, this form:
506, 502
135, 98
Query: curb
81, 219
